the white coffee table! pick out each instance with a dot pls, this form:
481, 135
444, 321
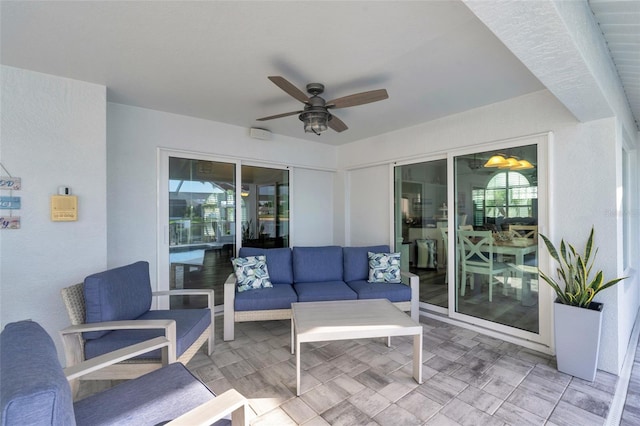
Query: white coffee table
352, 319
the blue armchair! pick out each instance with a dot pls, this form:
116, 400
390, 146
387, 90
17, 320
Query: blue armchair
35, 389
112, 310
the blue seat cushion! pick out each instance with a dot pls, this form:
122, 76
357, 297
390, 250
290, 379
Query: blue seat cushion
394, 292
327, 290
356, 261
280, 296
117, 294
278, 262
152, 399
34, 390
317, 264
190, 324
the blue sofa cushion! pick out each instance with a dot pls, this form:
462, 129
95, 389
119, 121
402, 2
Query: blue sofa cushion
190, 324
122, 293
326, 290
384, 267
34, 390
391, 291
278, 262
280, 296
152, 399
356, 262
317, 264
251, 273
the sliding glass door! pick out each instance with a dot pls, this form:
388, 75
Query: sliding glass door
207, 209
496, 248
421, 217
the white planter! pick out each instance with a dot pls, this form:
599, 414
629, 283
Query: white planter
577, 334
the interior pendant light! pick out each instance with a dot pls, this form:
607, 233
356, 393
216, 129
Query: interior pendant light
510, 163
522, 165
496, 161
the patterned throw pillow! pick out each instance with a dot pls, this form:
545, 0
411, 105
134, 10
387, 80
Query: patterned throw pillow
251, 272
384, 267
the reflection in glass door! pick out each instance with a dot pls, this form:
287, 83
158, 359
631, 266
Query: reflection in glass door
420, 218
202, 203
497, 251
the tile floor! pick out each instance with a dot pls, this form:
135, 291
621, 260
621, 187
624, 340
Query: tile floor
469, 379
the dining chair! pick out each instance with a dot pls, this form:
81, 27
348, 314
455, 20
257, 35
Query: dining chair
524, 231
445, 250
465, 227
477, 257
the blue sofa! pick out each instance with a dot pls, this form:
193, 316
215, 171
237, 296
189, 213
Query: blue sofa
309, 274
35, 389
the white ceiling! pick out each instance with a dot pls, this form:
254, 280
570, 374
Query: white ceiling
211, 59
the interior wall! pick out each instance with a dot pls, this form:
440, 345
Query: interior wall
579, 197
53, 134
369, 214
134, 137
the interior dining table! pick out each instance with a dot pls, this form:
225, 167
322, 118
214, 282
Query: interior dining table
519, 248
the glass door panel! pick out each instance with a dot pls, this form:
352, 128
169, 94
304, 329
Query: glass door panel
202, 199
420, 219
497, 252
265, 207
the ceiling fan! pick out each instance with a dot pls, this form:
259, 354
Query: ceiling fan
315, 115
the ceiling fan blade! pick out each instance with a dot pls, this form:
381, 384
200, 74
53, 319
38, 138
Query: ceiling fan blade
292, 90
336, 124
286, 114
358, 99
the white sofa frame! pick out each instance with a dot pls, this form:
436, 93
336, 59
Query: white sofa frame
231, 316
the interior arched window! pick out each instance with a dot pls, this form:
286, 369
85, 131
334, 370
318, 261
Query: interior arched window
510, 194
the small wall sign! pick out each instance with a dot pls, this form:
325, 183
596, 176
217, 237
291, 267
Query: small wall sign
9, 203
9, 222
10, 183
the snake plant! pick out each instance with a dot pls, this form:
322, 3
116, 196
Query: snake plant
575, 271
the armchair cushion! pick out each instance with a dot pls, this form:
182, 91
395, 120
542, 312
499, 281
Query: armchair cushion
317, 264
278, 262
122, 293
190, 324
356, 261
152, 399
34, 389
251, 272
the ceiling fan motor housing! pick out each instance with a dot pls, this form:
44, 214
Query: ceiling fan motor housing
315, 88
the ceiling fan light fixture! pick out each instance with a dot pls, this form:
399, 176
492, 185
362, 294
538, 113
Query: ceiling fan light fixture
315, 121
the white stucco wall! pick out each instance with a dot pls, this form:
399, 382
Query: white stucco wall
134, 136
52, 134
582, 163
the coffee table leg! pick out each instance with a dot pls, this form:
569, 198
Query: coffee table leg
292, 336
417, 358
298, 367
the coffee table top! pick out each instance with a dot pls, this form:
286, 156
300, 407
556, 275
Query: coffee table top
343, 319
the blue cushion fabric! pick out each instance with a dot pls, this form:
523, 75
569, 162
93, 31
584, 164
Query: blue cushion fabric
327, 290
394, 292
317, 264
280, 296
251, 272
384, 267
190, 324
278, 262
152, 399
117, 294
356, 261
34, 390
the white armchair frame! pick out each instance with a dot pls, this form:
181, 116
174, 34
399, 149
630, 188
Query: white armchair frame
73, 341
230, 402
